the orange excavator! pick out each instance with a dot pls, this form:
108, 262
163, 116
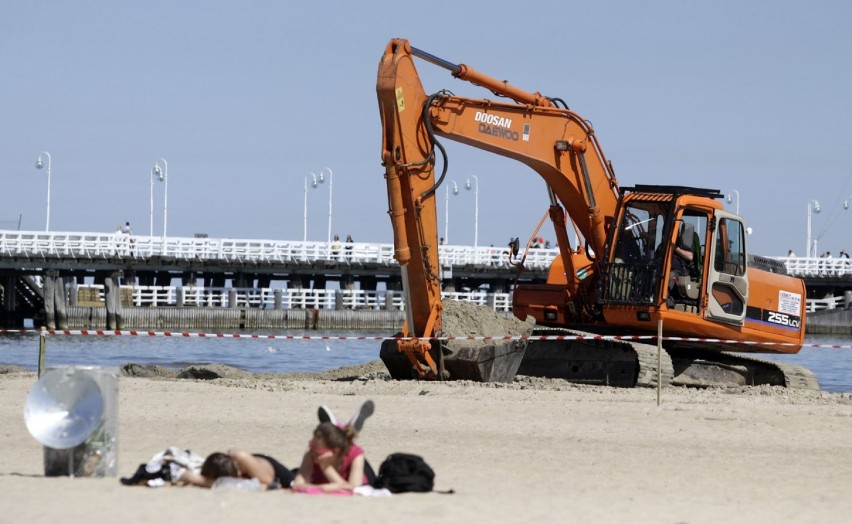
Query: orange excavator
647, 256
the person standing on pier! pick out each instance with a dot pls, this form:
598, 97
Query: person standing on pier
335, 247
125, 229
349, 242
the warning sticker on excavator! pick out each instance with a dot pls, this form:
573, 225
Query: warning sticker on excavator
790, 303
400, 100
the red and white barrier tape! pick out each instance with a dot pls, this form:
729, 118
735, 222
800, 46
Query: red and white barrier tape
188, 334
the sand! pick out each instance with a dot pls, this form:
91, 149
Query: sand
535, 450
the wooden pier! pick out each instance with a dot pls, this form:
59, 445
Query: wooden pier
44, 278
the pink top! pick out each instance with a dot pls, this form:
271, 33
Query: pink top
318, 477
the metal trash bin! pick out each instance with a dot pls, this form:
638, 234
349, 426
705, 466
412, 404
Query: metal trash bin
73, 412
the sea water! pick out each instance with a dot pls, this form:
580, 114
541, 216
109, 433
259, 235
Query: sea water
832, 366
257, 355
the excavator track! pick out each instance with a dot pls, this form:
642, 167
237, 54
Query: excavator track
621, 363
697, 367
590, 360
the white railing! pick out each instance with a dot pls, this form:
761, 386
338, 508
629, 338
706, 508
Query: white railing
92, 246
822, 304
265, 298
814, 267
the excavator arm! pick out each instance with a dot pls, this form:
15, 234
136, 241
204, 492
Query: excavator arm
553, 141
408, 158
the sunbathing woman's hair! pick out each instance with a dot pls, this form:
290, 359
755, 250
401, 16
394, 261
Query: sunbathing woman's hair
334, 436
219, 465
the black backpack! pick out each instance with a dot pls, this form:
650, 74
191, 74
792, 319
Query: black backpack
403, 472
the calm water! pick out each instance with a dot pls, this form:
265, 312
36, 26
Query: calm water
255, 355
833, 367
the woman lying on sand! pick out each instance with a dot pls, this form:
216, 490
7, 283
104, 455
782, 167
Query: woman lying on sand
270, 473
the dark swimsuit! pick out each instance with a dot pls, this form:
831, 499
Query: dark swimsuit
283, 476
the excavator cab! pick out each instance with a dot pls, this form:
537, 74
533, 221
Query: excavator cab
675, 251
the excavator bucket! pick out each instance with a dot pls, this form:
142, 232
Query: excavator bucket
480, 361
461, 350
495, 361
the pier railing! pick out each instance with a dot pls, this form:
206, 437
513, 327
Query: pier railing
822, 304
95, 246
100, 246
269, 298
818, 267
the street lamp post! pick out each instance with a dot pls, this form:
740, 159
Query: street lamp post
39, 164
737, 193
305, 217
447, 209
475, 208
151, 210
813, 207
163, 175
321, 180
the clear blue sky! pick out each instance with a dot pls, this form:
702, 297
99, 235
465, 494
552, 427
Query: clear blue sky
244, 99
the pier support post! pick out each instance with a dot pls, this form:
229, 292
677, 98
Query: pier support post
232, 298
118, 277
60, 303
490, 301
180, 296
48, 284
73, 292
112, 301
278, 298
55, 311
389, 297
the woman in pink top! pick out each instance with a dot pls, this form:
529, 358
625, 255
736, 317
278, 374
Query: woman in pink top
333, 463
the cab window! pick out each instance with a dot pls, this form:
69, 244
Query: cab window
730, 248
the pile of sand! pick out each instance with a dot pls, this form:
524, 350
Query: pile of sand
462, 319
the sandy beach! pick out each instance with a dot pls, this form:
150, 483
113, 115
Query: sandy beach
534, 450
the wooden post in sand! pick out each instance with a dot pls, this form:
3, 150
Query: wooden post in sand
42, 346
659, 359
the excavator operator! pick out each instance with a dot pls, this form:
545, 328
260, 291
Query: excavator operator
683, 258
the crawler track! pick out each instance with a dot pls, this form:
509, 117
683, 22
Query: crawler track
634, 364
703, 368
595, 361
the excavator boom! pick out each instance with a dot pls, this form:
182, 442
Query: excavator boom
554, 142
